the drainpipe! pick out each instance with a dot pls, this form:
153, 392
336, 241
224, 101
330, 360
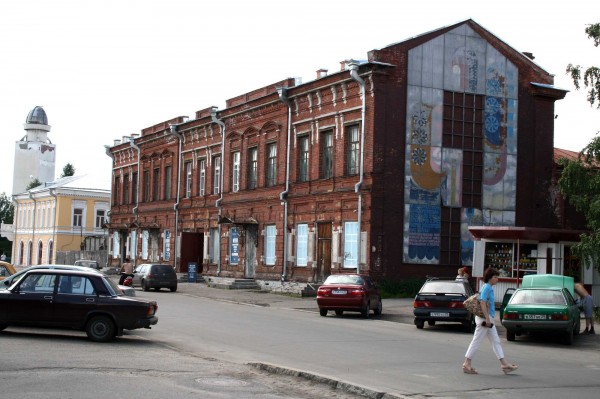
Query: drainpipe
53, 195
137, 189
358, 187
173, 131
15, 230
282, 91
213, 116
33, 220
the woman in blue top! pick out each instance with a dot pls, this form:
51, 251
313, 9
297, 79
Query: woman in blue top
485, 327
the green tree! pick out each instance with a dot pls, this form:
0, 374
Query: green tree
68, 170
591, 76
33, 184
580, 179
7, 209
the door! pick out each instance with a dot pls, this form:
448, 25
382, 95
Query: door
154, 245
250, 249
33, 300
74, 299
323, 251
192, 248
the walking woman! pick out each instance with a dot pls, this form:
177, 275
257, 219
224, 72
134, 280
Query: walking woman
485, 327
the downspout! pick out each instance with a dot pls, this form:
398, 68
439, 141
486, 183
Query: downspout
173, 131
282, 91
15, 230
137, 189
213, 115
33, 227
358, 187
53, 195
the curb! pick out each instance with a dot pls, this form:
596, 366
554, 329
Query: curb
333, 383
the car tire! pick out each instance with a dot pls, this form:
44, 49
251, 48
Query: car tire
568, 338
339, 312
431, 322
510, 335
145, 286
420, 324
323, 312
173, 289
379, 309
100, 329
366, 311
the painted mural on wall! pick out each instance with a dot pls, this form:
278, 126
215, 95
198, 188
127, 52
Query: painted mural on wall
459, 61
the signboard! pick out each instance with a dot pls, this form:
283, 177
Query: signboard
192, 272
234, 246
167, 245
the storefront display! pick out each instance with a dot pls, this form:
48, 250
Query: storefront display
511, 260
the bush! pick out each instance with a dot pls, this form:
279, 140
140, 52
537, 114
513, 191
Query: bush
400, 289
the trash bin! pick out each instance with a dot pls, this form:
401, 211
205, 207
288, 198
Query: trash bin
192, 272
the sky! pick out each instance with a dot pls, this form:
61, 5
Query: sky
104, 69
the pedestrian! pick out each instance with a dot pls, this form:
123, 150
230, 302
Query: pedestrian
3, 257
587, 304
485, 326
462, 274
126, 270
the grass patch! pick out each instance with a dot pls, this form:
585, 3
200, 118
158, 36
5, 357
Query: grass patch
407, 288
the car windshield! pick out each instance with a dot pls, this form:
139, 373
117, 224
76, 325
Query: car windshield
161, 269
538, 297
443, 287
342, 279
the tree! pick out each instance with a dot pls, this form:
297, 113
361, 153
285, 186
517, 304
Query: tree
68, 170
591, 76
7, 209
580, 179
33, 184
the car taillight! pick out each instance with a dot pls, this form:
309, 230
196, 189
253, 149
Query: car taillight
421, 304
510, 316
152, 309
324, 291
456, 305
357, 292
560, 316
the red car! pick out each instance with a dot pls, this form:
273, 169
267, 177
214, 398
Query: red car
349, 292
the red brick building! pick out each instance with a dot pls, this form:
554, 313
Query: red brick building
379, 167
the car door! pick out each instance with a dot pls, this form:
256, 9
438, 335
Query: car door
138, 273
31, 300
74, 299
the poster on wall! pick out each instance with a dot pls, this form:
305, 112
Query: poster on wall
167, 245
234, 246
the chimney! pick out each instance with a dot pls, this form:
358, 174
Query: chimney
321, 73
117, 142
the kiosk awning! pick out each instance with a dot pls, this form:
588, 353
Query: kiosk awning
524, 233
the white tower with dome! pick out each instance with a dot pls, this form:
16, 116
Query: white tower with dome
35, 155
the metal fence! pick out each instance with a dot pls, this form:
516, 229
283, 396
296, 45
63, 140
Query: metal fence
69, 257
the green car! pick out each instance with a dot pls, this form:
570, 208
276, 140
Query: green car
544, 304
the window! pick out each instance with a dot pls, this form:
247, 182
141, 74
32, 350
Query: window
78, 217
155, 184
252, 168
303, 158
352, 150
302, 245
126, 189
50, 252
134, 187
100, 218
202, 182
168, 171
40, 252
188, 179
450, 236
326, 160
235, 172
146, 186
116, 198
215, 245
270, 233
271, 164
217, 175
350, 244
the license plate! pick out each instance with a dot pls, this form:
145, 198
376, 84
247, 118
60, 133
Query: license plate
439, 314
339, 292
534, 317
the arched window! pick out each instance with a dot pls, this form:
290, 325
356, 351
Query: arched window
50, 252
21, 252
29, 253
40, 252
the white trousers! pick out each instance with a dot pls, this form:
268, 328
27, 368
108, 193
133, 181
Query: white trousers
480, 333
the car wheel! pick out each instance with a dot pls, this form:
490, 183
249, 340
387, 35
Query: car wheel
100, 329
420, 324
339, 312
510, 335
568, 340
323, 312
379, 309
145, 286
174, 288
431, 322
366, 310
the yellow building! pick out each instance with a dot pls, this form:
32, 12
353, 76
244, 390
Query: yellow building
59, 220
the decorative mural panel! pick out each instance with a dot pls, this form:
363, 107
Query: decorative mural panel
459, 61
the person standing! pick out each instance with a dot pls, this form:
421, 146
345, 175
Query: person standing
126, 270
587, 304
462, 274
485, 326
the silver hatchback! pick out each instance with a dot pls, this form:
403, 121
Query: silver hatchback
157, 276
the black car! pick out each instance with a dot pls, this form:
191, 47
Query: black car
82, 300
157, 276
441, 300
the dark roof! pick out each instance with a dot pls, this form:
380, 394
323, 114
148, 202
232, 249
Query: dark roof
37, 116
524, 233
